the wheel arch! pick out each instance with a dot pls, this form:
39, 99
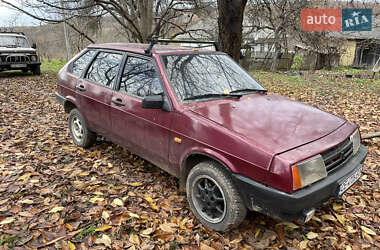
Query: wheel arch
69, 104
193, 158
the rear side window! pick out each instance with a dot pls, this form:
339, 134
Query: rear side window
140, 78
105, 68
80, 65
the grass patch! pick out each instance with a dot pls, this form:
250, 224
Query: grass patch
10, 240
90, 230
52, 66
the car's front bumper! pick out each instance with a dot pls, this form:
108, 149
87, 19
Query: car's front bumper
18, 65
275, 203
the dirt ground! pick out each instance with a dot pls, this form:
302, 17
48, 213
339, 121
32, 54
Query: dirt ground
56, 195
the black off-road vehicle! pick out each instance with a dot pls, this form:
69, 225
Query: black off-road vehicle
17, 54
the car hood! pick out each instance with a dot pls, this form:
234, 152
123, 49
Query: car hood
5, 50
276, 123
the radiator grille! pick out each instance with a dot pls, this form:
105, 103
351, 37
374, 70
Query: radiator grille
17, 59
337, 156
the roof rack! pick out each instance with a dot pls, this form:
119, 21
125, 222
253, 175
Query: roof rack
153, 41
12, 32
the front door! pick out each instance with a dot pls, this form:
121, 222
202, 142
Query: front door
143, 131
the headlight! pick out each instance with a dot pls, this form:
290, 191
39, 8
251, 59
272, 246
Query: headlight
308, 172
355, 139
33, 58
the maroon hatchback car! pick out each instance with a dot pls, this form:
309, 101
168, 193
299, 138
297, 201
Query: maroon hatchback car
199, 116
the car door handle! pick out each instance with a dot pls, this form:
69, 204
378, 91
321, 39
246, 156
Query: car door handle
80, 87
118, 101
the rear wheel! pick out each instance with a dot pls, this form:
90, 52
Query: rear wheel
79, 132
213, 197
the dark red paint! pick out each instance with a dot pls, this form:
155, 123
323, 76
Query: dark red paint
260, 136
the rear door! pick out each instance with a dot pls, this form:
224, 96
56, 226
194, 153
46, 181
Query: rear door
95, 90
67, 83
143, 131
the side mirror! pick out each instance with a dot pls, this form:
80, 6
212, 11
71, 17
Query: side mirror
34, 46
153, 102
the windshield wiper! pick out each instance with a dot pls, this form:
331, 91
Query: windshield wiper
210, 96
249, 90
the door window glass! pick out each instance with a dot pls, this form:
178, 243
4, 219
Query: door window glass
104, 69
140, 78
81, 63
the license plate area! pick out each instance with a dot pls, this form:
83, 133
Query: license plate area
347, 183
17, 66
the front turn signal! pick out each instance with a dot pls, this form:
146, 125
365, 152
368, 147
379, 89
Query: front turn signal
296, 178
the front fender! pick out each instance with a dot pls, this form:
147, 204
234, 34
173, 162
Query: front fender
207, 152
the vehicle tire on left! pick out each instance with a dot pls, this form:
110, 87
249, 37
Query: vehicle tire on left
36, 70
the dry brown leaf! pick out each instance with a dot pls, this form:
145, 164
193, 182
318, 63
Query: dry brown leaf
168, 227
289, 225
328, 217
7, 221
367, 230
350, 230
103, 228
26, 214
117, 202
206, 247
71, 245
105, 240
337, 207
134, 215
147, 231
105, 215
96, 199
257, 233
136, 184
311, 235
134, 238
340, 218
27, 201
2, 202
303, 244
56, 209
25, 176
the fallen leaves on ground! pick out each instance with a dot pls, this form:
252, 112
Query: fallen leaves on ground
56, 195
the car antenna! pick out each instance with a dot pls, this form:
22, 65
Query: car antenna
148, 51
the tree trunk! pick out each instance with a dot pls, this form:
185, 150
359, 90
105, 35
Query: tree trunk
146, 19
230, 23
277, 52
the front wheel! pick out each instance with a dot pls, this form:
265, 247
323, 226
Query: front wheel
36, 70
213, 197
81, 135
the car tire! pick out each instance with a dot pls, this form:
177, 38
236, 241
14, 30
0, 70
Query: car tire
79, 132
213, 197
36, 70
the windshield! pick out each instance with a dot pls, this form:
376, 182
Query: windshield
194, 75
13, 42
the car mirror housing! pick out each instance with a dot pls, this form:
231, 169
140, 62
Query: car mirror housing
153, 102
34, 46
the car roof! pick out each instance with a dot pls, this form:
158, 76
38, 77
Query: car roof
140, 48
